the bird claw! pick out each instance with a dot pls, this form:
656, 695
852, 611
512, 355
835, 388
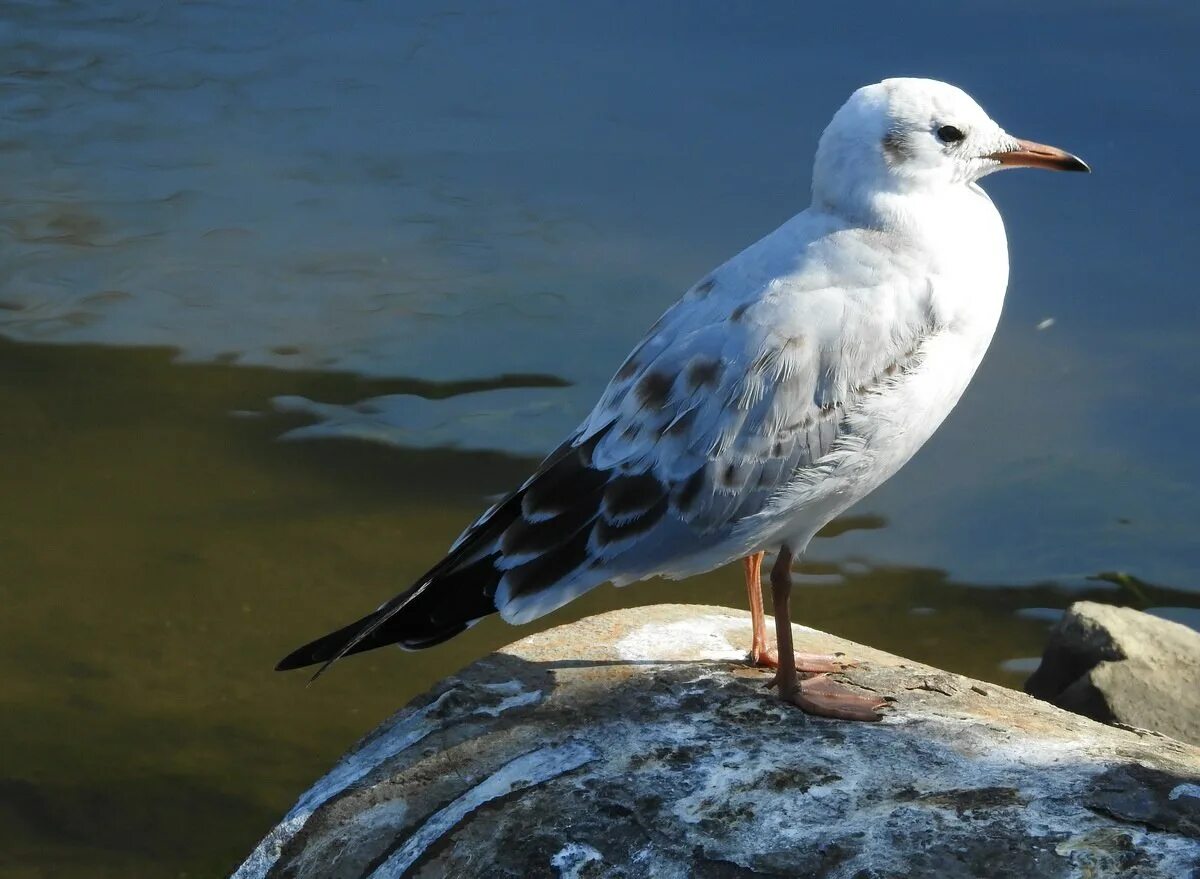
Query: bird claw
824, 697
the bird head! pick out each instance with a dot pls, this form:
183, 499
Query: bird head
905, 135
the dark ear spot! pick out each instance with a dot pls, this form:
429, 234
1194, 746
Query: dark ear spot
738, 313
895, 148
705, 287
654, 389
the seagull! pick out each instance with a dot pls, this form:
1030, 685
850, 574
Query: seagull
781, 389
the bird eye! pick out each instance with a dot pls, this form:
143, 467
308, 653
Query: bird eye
949, 134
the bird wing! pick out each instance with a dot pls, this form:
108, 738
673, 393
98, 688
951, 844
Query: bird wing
741, 387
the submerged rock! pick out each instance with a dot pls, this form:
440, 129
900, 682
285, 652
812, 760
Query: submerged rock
1119, 665
638, 743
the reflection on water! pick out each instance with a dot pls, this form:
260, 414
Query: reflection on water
387, 203
453, 192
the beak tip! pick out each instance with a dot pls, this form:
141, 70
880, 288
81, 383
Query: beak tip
1028, 154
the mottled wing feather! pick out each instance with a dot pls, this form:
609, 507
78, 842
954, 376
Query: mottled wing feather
707, 421
740, 390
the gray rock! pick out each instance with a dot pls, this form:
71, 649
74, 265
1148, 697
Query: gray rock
638, 743
1119, 665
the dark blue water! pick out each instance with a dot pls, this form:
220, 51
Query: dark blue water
442, 227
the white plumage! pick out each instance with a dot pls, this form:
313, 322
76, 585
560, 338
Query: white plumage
782, 388
840, 341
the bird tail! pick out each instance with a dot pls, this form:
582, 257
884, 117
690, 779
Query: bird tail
437, 607
458, 590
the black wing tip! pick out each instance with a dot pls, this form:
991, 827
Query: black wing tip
302, 657
294, 660
383, 627
328, 647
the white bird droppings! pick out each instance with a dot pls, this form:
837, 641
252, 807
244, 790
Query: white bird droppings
701, 638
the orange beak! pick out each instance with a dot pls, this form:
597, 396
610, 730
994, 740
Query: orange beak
1037, 155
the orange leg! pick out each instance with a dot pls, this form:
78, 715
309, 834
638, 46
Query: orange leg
820, 695
760, 653
758, 622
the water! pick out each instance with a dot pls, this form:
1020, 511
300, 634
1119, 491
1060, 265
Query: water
221, 225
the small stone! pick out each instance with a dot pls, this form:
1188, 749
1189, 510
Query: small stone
1119, 665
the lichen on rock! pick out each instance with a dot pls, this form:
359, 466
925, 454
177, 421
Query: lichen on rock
638, 743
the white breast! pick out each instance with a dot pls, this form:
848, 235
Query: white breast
968, 282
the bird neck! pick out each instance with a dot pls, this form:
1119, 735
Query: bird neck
930, 216
955, 234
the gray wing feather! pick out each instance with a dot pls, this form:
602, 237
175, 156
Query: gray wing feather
716, 412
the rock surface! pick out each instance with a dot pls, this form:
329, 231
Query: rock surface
1119, 665
638, 743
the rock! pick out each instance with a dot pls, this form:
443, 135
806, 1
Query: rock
1119, 665
638, 743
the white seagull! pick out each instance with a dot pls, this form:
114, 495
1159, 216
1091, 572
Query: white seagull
781, 389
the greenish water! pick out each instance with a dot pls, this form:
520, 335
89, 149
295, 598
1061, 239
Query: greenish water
161, 554
285, 299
